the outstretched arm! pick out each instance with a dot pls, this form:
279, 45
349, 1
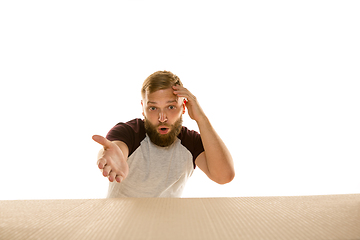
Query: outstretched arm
112, 159
216, 161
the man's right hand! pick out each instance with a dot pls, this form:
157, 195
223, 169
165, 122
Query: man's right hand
111, 160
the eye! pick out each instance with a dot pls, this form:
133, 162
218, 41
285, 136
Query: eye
172, 107
152, 108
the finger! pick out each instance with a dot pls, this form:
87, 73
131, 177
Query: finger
119, 178
103, 141
181, 91
106, 171
112, 176
185, 95
101, 163
178, 88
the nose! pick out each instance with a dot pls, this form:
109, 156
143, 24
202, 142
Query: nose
162, 117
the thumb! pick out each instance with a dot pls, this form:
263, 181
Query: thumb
103, 141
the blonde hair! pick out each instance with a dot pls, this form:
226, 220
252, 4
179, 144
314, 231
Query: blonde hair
159, 80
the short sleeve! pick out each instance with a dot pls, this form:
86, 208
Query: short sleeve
192, 141
131, 133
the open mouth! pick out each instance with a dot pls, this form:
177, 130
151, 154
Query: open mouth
163, 130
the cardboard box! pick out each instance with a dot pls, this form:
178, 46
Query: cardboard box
298, 217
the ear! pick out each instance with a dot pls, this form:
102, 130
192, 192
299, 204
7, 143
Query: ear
142, 106
184, 106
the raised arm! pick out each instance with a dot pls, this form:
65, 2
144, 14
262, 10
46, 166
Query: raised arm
216, 161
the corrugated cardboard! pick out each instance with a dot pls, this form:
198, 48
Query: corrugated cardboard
300, 217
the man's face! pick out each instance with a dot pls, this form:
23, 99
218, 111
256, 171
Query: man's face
163, 116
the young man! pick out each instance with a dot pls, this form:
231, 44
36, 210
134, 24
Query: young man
154, 157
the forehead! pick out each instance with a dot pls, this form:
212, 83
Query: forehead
162, 96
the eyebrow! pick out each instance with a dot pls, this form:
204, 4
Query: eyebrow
172, 101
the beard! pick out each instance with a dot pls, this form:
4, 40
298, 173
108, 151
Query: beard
163, 140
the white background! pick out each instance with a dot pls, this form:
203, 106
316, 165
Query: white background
278, 80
